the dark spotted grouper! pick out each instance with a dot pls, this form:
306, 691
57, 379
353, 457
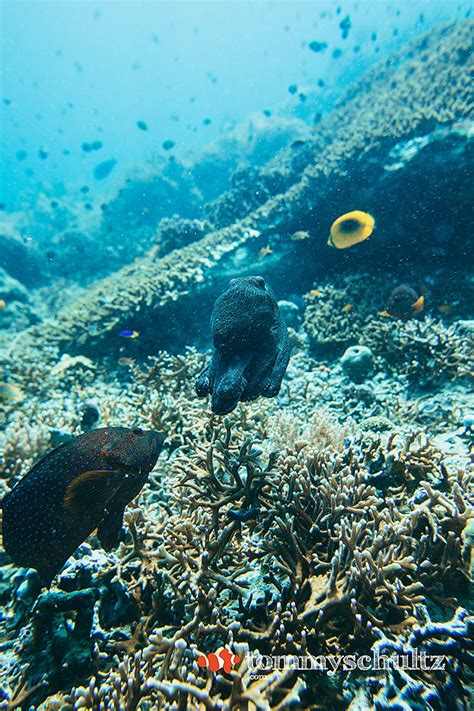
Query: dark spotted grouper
82, 485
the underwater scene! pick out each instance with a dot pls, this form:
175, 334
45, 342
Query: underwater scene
236, 350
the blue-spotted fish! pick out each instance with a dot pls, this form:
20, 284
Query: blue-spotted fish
83, 485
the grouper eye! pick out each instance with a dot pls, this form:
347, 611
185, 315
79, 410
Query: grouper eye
137, 431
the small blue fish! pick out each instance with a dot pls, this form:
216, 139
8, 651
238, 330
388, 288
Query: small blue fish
127, 333
103, 170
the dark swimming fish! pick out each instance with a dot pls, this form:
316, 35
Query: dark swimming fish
103, 170
168, 144
83, 485
404, 302
316, 46
345, 26
142, 125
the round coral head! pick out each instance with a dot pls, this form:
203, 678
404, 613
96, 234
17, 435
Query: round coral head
351, 228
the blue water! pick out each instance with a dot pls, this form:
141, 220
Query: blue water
76, 72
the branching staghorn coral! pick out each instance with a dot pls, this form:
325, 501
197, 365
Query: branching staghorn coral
331, 325
411, 675
233, 545
427, 351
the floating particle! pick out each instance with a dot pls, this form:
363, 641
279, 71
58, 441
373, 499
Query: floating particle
21, 155
207, 121
85, 189
103, 170
7, 102
321, 83
373, 36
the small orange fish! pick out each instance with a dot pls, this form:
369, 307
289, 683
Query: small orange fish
445, 308
265, 251
3, 304
347, 308
419, 304
315, 292
385, 314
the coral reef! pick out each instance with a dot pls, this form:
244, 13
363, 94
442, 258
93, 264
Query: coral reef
266, 533
175, 232
407, 96
426, 351
335, 518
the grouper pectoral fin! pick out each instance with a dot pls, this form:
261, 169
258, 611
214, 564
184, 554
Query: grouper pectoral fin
87, 490
110, 528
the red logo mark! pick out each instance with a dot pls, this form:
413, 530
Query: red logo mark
222, 659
